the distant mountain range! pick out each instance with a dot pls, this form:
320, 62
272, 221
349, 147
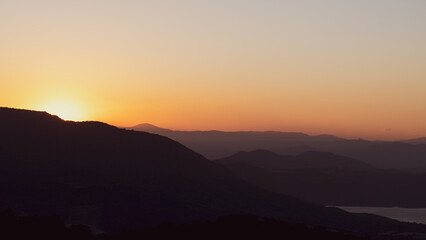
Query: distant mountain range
218, 144
96, 174
309, 160
329, 179
416, 141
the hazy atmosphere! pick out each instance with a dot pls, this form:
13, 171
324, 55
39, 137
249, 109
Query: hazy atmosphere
196, 119
354, 69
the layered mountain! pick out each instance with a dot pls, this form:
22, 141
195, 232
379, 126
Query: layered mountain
408, 155
96, 174
308, 160
329, 179
219, 144
416, 141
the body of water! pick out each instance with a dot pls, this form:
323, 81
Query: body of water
417, 215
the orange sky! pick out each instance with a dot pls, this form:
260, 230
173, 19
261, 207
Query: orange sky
351, 68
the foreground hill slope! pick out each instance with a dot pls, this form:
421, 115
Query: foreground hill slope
110, 178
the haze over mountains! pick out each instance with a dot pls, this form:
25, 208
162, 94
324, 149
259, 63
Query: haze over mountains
416, 141
218, 144
329, 179
308, 160
110, 178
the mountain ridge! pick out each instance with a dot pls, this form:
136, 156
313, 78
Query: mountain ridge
380, 154
421, 140
96, 174
149, 126
328, 182
310, 159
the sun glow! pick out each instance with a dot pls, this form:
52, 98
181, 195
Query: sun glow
64, 110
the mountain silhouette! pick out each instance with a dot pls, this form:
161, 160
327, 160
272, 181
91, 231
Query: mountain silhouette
309, 160
95, 174
218, 144
416, 141
329, 179
146, 127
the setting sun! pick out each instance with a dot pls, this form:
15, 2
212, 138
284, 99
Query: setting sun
64, 110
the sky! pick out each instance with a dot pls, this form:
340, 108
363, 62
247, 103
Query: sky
354, 69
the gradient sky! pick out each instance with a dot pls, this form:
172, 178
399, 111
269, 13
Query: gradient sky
351, 68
